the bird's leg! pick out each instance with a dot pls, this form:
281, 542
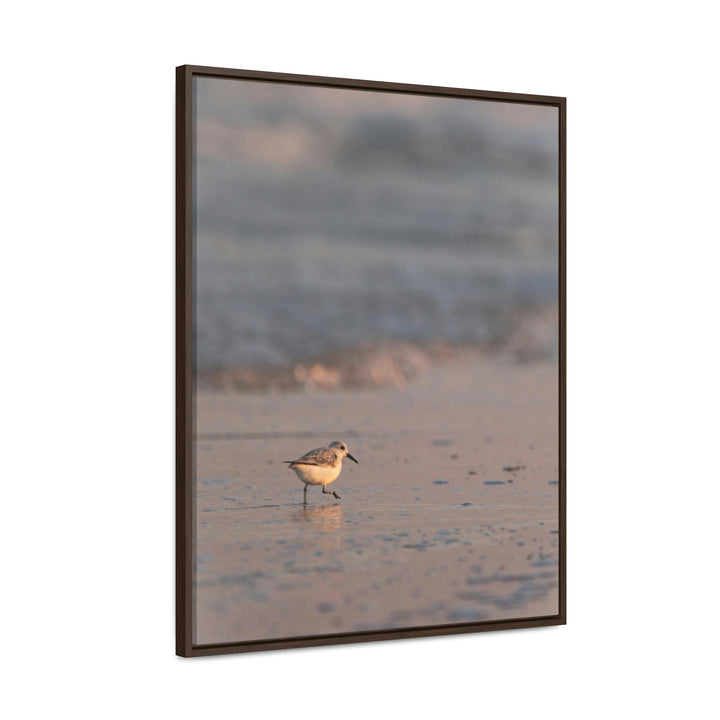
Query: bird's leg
305, 495
330, 492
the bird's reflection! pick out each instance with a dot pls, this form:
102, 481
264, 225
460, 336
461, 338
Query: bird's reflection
322, 518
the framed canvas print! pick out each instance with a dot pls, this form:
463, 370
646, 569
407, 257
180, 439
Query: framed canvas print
370, 360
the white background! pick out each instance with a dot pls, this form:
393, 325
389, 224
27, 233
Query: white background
87, 366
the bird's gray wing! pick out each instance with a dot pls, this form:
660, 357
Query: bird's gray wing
318, 456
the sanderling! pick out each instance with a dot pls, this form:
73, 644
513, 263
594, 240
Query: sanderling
321, 466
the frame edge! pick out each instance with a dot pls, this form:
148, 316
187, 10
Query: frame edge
183, 365
562, 298
374, 85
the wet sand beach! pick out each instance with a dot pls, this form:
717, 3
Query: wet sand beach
450, 516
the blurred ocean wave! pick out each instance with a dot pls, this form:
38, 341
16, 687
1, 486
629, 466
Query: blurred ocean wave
273, 303
533, 337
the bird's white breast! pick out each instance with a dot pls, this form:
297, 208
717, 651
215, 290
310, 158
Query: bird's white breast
318, 474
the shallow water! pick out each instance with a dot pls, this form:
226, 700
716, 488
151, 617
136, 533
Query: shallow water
450, 516
269, 566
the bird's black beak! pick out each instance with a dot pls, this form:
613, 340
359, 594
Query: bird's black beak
352, 458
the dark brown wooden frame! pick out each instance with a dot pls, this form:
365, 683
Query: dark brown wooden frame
184, 387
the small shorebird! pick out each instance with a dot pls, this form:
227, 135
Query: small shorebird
321, 466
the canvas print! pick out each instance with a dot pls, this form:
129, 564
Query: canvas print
376, 349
